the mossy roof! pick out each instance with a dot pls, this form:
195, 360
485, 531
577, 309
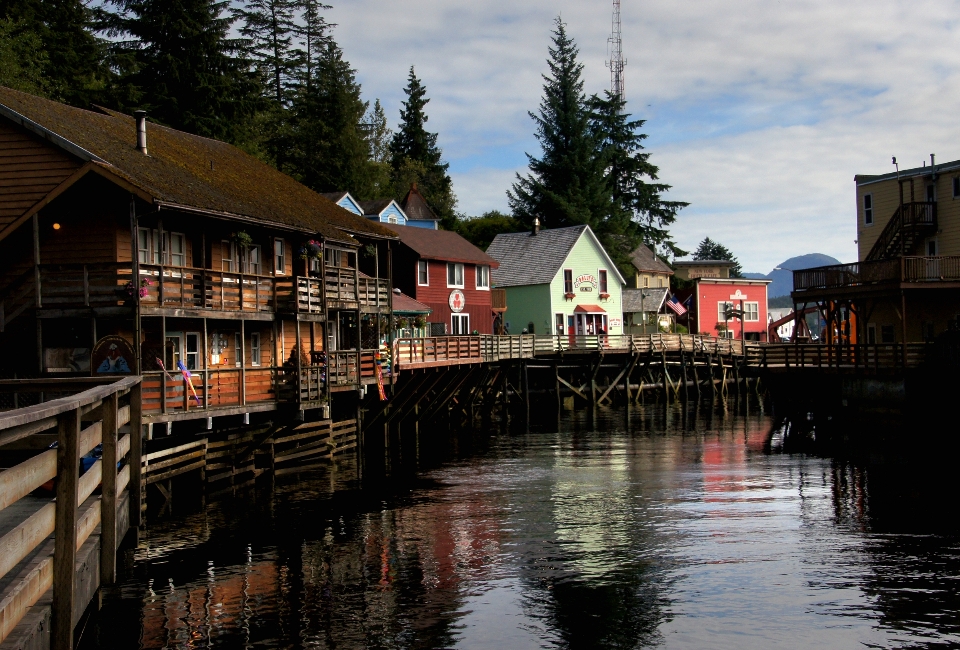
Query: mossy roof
187, 170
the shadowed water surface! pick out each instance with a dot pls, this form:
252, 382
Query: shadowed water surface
660, 528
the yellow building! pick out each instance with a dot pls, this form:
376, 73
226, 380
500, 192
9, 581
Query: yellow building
651, 271
906, 284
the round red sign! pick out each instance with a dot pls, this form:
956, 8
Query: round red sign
457, 301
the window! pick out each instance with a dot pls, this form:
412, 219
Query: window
228, 256
280, 259
254, 348
871, 333
174, 351
751, 311
174, 247
559, 322
646, 282
602, 273
483, 277
455, 275
660, 282
886, 334
722, 308
332, 256
931, 247
931, 193
392, 218
460, 324
956, 186
238, 348
423, 273
568, 280
253, 260
868, 209
193, 351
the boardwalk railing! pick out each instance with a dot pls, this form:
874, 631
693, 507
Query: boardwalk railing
41, 537
641, 343
453, 350
867, 357
903, 269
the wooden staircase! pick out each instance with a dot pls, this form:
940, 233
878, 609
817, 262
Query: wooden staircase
16, 298
909, 224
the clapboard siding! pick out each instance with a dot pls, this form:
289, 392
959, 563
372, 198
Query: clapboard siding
29, 170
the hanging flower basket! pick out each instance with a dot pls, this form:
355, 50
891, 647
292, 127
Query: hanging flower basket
604, 296
311, 250
568, 296
241, 238
420, 322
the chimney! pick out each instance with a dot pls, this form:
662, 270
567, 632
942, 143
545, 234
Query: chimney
933, 158
536, 226
141, 117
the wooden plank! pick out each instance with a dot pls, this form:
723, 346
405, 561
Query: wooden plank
135, 462
174, 472
65, 542
173, 461
173, 450
22, 479
108, 541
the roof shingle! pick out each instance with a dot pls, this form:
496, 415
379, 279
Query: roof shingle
645, 260
531, 259
442, 245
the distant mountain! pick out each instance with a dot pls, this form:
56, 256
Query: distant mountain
782, 277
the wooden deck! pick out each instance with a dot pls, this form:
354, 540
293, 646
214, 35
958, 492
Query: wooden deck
44, 539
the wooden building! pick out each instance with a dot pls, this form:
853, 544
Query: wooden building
905, 286
444, 271
651, 271
714, 300
129, 247
558, 281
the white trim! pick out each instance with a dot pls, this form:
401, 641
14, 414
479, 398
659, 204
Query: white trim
599, 287
463, 275
255, 351
476, 277
282, 257
426, 265
603, 251
461, 316
564, 280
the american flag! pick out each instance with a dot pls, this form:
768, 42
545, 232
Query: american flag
676, 306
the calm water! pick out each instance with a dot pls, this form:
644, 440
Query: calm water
658, 529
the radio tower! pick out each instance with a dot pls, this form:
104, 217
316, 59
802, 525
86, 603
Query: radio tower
615, 49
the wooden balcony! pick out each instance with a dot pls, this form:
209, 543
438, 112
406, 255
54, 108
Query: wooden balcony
220, 391
190, 288
343, 288
498, 299
865, 274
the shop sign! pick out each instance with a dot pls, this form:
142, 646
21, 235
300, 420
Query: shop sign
457, 301
585, 283
614, 322
738, 296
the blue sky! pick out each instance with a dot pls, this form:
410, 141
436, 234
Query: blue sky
759, 112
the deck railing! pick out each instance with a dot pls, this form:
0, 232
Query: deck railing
50, 532
903, 269
190, 288
861, 356
640, 343
216, 389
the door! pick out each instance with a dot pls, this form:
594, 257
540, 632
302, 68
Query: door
460, 324
571, 330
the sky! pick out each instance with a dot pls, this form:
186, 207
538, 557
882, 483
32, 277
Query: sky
759, 112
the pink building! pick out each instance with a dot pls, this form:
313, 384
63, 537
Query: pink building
713, 298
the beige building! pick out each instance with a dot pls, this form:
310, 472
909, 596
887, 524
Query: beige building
905, 285
693, 269
651, 271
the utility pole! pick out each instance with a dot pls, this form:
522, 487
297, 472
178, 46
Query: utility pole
616, 62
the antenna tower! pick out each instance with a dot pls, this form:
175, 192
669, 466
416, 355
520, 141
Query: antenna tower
615, 50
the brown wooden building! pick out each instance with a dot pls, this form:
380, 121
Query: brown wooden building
129, 246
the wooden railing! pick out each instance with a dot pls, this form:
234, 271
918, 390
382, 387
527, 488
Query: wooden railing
340, 283
52, 531
903, 269
868, 357
913, 220
374, 292
190, 288
84, 285
641, 343
216, 389
451, 350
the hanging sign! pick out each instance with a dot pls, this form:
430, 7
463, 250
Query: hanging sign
112, 355
738, 296
457, 301
585, 282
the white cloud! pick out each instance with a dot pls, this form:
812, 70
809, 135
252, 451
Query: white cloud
760, 113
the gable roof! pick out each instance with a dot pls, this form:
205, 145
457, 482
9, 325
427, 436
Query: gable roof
536, 259
415, 206
377, 206
444, 245
645, 260
404, 304
338, 197
651, 300
182, 170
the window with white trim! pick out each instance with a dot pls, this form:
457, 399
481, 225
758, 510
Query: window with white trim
174, 249
568, 280
751, 311
423, 273
460, 324
868, 209
254, 348
483, 277
602, 273
192, 351
454, 275
279, 257
252, 264
722, 308
228, 256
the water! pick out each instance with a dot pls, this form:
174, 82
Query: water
688, 531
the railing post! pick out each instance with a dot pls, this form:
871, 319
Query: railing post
108, 501
65, 537
136, 454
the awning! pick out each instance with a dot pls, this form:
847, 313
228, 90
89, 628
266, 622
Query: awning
589, 309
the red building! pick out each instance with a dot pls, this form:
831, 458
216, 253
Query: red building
714, 297
448, 274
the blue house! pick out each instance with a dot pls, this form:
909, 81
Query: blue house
388, 210
384, 211
345, 201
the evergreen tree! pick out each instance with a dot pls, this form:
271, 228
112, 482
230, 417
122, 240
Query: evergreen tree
711, 250
379, 136
416, 158
70, 57
269, 27
331, 144
184, 69
638, 212
566, 185
481, 230
22, 58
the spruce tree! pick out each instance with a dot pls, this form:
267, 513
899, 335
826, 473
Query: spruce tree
416, 158
638, 213
712, 250
22, 58
269, 27
185, 69
566, 185
331, 145
379, 136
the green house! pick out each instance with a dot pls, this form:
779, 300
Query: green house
558, 281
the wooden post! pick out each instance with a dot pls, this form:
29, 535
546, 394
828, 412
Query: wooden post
163, 375
65, 538
526, 391
135, 460
243, 363
108, 501
666, 377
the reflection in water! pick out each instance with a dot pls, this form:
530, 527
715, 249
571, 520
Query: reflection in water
659, 527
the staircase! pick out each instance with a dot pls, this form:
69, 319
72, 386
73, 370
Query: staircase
16, 298
909, 224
